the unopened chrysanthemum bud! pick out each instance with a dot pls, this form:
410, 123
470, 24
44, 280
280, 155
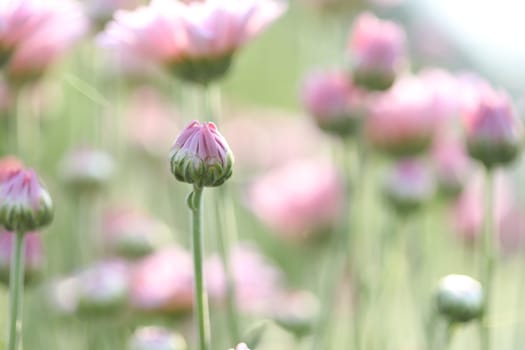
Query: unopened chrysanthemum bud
241, 346
408, 186
336, 105
460, 298
156, 338
451, 166
103, 288
377, 49
33, 256
201, 156
87, 170
298, 312
494, 133
25, 205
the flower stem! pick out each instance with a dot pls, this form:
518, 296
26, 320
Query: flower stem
489, 258
201, 302
16, 290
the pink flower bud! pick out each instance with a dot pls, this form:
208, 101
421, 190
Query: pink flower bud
335, 104
494, 133
196, 41
297, 312
9, 165
377, 49
201, 156
25, 205
402, 121
299, 200
156, 338
87, 170
408, 186
33, 256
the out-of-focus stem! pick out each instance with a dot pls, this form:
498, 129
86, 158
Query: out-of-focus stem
16, 291
201, 302
488, 260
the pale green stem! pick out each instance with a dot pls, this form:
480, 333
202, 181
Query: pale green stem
16, 291
488, 259
201, 302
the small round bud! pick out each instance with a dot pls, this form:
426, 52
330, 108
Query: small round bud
25, 205
494, 133
201, 156
408, 186
452, 166
459, 298
298, 312
336, 105
156, 338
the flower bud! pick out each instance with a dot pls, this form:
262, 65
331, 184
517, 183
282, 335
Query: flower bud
33, 256
334, 103
451, 166
9, 165
25, 205
494, 133
377, 49
408, 186
201, 156
103, 288
241, 346
87, 170
297, 312
156, 338
459, 298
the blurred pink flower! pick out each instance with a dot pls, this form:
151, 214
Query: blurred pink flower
87, 169
408, 186
298, 200
377, 49
336, 105
151, 121
403, 120
509, 218
163, 282
493, 131
249, 131
33, 256
257, 281
297, 311
195, 40
452, 166
156, 338
32, 35
8, 165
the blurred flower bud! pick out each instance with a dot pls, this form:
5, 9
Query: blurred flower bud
408, 186
101, 11
335, 104
25, 205
459, 298
297, 312
103, 288
402, 121
494, 134
156, 338
377, 49
33, 256
163, 282
451, 166
87, 170
9, 165
132, 234
201, 156
62, 296
241, 346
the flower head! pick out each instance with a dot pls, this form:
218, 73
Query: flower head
494, 134
377, 49
25, 205
336, 105
460, 298
297, 312
195, 40
156, 338
201, 156
33, 256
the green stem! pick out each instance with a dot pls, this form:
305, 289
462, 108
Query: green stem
16, 290
489, 258
449, 334
201, 302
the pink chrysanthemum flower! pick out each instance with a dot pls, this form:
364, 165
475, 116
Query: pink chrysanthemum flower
197, 40
201, 156
25, 205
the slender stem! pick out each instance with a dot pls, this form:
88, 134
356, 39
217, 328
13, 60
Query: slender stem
489, 258
201, 302
449, 334
16, 289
